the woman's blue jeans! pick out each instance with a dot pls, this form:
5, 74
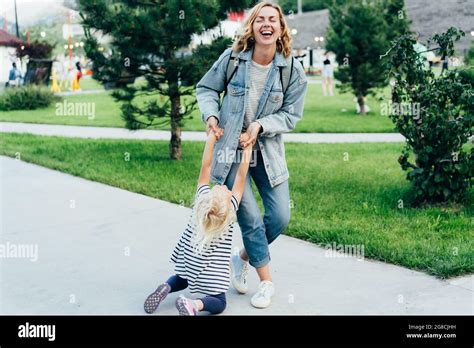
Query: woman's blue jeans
258, 232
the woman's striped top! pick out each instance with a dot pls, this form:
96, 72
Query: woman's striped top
207, 272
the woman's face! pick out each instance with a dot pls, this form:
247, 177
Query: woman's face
267, 27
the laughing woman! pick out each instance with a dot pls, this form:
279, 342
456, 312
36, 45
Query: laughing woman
264, 89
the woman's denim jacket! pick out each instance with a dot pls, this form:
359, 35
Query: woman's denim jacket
277, 113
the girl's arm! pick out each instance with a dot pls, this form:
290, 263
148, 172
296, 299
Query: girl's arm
239, 182
205, 175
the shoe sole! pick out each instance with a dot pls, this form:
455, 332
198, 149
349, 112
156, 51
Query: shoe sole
181, 306
261, 307
153, 300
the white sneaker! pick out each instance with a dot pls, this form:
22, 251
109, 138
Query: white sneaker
263, 297
239, 269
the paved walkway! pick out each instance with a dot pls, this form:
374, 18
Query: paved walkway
90, 91
101, 250
121, 133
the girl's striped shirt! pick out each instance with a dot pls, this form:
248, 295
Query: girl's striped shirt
207, 272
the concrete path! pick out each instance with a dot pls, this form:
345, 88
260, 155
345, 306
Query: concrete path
90, 91
101, 250
121, 133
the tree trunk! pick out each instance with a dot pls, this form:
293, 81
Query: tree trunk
360, 101
175, 142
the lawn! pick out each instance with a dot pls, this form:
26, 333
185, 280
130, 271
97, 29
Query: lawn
343, 193
88, 84
322, 114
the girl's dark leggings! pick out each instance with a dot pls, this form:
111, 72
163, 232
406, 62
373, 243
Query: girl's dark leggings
214, 304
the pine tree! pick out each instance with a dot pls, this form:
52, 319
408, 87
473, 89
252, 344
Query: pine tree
396, 18
360, 32
146, 38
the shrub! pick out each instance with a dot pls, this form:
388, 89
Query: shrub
442, 170
34, 50
26, 98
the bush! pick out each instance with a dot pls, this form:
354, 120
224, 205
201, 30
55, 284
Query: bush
34, 50
442, 124
468, 74
26, 98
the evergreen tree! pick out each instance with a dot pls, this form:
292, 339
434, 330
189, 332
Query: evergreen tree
396, 18
359, 33
146, 39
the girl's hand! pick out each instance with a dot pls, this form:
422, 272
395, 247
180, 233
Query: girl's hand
244, 138
211, 138
252, 134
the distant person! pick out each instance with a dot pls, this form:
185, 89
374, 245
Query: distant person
445, 61
79, 71
14, 76
300, 59
421, 50
76, 77
328, 76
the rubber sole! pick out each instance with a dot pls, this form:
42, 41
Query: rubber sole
153, 300
182, 308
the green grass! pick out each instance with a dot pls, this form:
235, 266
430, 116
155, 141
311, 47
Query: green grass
321, 114
88, 83
353, 202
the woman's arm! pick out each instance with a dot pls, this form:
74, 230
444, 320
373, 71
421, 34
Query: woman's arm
239, 182
205, 174
210, 87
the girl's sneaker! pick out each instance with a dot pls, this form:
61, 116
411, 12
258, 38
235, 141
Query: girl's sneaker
186, 306
153, 301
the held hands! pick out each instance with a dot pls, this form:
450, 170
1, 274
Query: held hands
250, 136
213, 128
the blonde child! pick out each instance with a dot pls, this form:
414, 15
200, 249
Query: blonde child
202, 255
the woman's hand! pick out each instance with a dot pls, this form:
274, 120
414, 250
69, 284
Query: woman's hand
250, 136
213, 127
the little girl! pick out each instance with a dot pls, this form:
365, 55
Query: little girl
202, 255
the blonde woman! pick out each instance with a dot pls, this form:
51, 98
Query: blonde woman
202, 255
264, 89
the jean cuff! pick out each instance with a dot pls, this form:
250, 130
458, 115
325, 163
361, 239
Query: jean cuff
260, 263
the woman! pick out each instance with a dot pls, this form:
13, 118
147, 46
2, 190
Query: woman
259, 105
328, 76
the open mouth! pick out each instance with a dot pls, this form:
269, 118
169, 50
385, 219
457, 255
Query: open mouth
266, 33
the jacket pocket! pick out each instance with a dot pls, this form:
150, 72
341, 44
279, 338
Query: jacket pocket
236, 97
274, 102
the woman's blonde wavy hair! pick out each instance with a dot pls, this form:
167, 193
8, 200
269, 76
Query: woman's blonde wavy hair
246, 40
213, 213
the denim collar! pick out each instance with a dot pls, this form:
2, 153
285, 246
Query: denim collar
278, 60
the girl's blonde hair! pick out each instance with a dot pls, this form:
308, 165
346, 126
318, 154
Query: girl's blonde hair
246, 39
213, 214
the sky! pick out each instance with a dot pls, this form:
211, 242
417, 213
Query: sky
30, 11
